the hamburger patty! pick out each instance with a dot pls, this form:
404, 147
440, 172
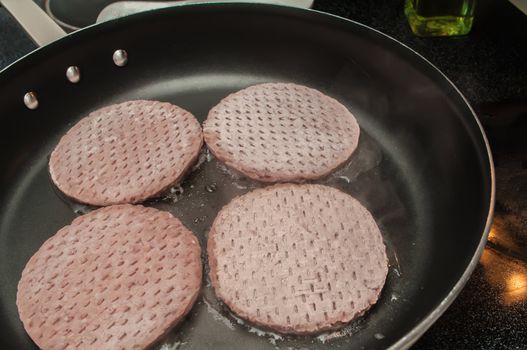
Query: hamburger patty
126, 153
279, 132
119, 277
297, 258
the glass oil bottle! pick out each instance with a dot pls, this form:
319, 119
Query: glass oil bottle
440, 17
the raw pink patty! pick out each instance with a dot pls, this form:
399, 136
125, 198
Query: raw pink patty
117, 278
126, 153
297, 258
279, 132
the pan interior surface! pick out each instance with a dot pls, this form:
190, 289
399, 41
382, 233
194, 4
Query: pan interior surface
421, 166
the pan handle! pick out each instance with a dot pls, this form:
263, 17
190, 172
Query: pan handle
38, 25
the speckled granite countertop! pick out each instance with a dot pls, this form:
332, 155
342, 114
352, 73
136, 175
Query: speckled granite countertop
488, 66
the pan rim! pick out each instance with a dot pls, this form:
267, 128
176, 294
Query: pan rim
412, 336
424, 324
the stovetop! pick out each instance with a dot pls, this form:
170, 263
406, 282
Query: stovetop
489, 66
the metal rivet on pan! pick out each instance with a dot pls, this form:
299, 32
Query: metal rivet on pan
30, 100
73, 74
120, 57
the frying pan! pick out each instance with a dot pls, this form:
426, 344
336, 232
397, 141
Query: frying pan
423, 165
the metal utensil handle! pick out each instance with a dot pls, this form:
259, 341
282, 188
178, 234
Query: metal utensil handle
37, 24
124, 8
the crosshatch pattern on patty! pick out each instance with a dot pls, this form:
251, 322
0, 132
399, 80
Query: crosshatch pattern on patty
297, 258
126, 153
281, 132
119, 277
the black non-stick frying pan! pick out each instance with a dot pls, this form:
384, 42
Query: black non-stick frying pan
422, 167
